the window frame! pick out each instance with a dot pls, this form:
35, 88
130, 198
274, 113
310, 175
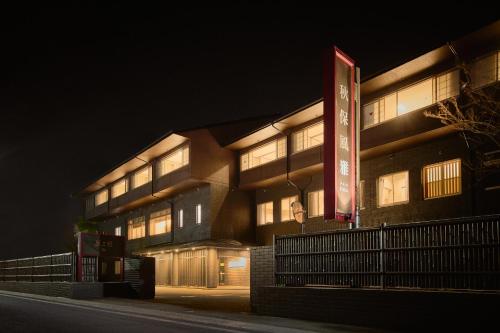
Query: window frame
116, 184
160, 160
302, 130
435, 100
441, 165
393, 203
289, 198
180, 214
276, 141
309, 210
136, 220
97, 194
150, 176
158, 214
266, 222
198, 214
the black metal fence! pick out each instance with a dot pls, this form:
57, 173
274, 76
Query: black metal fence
54, 267
449, 254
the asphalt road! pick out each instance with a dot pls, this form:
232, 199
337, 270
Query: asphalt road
22, 314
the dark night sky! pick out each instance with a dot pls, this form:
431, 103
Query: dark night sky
84, 87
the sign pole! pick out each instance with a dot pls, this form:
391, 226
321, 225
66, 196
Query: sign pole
358, 129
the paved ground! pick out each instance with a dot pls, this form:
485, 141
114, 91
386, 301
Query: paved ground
33, 313
225, 299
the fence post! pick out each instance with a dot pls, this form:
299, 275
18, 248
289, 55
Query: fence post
50, 271
381, 258
32, 268
17, 269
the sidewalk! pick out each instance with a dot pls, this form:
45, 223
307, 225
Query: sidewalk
159, 312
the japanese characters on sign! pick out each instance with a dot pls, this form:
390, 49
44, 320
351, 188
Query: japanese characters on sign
339, 165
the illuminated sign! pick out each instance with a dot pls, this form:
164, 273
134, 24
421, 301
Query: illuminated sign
339, 140
237, 263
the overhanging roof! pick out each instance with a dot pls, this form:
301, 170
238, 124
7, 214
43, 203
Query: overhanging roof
164, 144
297, 117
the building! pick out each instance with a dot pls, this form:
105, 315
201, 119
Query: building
197, 199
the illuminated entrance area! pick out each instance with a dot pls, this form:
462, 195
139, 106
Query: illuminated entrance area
206, 267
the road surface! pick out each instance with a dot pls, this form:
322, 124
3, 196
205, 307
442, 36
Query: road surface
33, 313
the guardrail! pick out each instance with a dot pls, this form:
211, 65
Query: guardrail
446, 254
54, 267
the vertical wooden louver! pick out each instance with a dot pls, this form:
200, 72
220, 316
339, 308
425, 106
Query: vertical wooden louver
442, 179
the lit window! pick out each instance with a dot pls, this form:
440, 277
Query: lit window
485, 70
411, 98
160, 222
174, 161
447, 85
119, 188
264, 154
181, 218
136, 228
118, 267
315, 204
101, 197
415, 97
118, 231
442, 179
286, 208
362, 194
265, 213
198, 214
393, 189
309, 137
141, 177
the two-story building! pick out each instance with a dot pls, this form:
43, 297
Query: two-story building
197, 199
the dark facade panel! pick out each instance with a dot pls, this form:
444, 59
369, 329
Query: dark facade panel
172, 178
97, 211
263, 174
307, 158
414, 160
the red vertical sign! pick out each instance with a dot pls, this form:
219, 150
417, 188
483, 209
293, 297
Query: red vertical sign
339, 136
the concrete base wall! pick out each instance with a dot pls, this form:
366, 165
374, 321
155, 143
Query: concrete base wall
389, 309
77, 290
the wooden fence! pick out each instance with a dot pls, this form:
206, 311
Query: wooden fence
445, 254
54, 267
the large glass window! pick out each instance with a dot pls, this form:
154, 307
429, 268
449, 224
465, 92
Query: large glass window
264, 154
286, 208
174, 161
265, 213
119, 188
393, 189
315, 203
308, 137
442, 179
414, 97
160, 222
141, 177
136, 228
101, 197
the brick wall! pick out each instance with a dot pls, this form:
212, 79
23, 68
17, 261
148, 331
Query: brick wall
261, 270
57, 289
390, 309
